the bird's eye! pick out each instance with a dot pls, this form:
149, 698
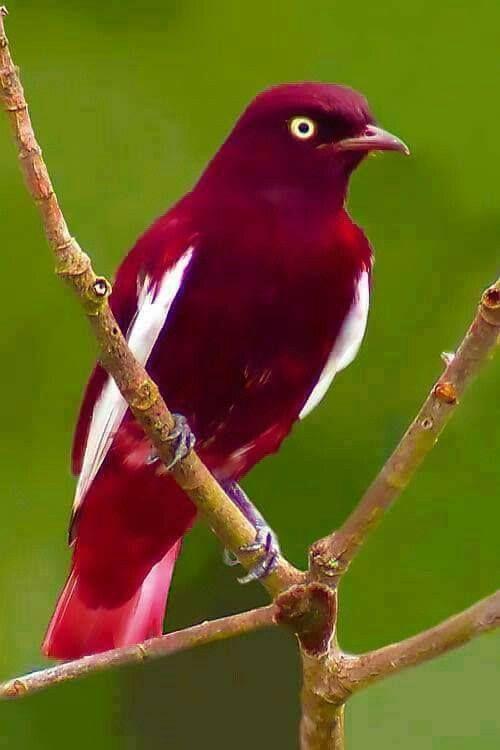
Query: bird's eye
302, 128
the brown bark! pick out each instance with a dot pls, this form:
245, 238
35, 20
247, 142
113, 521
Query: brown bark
308, 604
454, 632
172, 643
331, 556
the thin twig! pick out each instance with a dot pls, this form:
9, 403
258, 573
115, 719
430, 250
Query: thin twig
330, 557
140, 392
172, 643
454, 632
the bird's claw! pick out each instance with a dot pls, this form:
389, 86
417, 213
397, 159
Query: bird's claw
265, 542
229, 558
183, 439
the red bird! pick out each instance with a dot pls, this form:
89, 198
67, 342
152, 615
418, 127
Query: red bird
244, 301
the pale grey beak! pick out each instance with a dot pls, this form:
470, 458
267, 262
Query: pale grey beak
373, 138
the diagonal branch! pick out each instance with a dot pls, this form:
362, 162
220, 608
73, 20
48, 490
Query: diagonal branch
172, 643
331, 556
454, 632
140, 392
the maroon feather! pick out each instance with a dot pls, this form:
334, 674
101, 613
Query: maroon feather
271, 280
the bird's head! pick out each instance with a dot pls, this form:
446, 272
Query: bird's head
301, 137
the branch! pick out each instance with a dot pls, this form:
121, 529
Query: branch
330, 678
172, 643
375, 665
321, 724
140, 392
323, 696
331, 556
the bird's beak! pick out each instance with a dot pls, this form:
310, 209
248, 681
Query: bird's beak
373, 138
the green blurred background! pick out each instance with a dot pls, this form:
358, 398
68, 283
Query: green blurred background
130, 100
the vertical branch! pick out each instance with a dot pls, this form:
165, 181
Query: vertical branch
321, 725
323, 697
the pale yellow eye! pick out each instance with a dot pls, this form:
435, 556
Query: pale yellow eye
302, 128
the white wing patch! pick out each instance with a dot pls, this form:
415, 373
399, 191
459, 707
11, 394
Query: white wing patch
153, 305
346, 345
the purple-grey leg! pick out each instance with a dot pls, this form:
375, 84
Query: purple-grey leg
181, 437
266, 540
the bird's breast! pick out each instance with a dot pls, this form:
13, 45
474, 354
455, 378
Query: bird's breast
248, 337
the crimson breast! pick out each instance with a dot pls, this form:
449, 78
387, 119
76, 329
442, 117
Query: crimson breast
253, 331
249, 335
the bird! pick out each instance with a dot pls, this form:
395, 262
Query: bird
243, 301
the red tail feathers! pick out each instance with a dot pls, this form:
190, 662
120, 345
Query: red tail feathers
76, 629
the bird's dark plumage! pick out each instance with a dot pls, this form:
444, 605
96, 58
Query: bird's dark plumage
243, 300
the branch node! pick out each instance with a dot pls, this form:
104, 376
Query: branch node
15, 688
70, 259
17, 107
325, 565
490, 305
447, 357
144, 396
28, 151
491, 298
310, 610
102, 288
3, 11
446, 392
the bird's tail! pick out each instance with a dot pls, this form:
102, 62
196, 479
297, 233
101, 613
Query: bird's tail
78, 629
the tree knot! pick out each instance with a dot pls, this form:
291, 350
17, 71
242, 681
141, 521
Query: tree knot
490, 305
446, 392
14, 689
143, 397
310, 610
325, 564
70, 259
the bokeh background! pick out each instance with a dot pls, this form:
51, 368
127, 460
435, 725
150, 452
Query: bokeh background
130, 100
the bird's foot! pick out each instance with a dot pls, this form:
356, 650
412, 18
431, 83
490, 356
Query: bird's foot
267, 543
183, 440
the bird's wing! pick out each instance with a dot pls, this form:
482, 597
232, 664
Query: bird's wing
104, 407
346, 344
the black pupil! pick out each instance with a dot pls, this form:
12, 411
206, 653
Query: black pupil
304, 128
